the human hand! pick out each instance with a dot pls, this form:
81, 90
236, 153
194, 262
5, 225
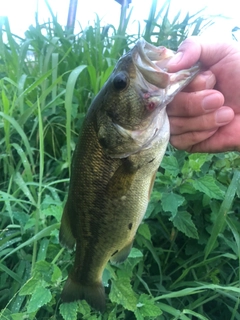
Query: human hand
206, 117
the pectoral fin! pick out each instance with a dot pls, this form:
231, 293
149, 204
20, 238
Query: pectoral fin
120, 182
121, 256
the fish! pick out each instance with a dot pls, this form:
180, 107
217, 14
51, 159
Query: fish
120, 146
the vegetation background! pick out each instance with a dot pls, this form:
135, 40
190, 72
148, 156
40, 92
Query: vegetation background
185, 263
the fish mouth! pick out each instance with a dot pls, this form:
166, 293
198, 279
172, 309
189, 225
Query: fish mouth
151, 64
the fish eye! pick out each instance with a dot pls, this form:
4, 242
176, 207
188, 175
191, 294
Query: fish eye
120, 81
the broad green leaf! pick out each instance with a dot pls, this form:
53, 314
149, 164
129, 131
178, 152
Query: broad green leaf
150, 208
55, 211
84, 308
86, 311
171, 165
122, 293
196, 161
112, 314
40, 297
57, 274
30, 286
19, 316
207, 185
144, 231
134, 258
183, 222
171, 202
187, 188
106, 277
43, 267
147, 307
69, 310
135, 253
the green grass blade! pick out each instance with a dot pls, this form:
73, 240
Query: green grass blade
22, 134
28, 172
21, 84
10, 273
6, 123
173, 311
41, 234
195, 314
41, 170
68, 107
235, 228
55, 58
195, 290
36, 83
224, 209
24, 187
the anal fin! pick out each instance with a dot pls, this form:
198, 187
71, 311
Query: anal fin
121, 255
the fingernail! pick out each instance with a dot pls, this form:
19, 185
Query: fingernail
210, 102
176, 59
209, 78
224, 115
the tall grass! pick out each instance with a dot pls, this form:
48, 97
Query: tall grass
185, 261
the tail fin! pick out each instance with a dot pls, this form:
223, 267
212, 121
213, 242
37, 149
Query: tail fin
93, 294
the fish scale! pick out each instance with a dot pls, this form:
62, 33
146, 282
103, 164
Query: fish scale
121, 144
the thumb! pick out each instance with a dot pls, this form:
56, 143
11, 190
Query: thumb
188, 54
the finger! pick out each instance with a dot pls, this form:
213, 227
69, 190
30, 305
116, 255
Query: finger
206, 122
195, 103
204, 80
190, 140
225, 138
222, 139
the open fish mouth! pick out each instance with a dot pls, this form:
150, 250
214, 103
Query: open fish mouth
151, 62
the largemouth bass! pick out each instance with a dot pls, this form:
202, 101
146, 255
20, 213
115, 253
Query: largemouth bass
121, 144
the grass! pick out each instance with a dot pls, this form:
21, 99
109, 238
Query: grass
185, 263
